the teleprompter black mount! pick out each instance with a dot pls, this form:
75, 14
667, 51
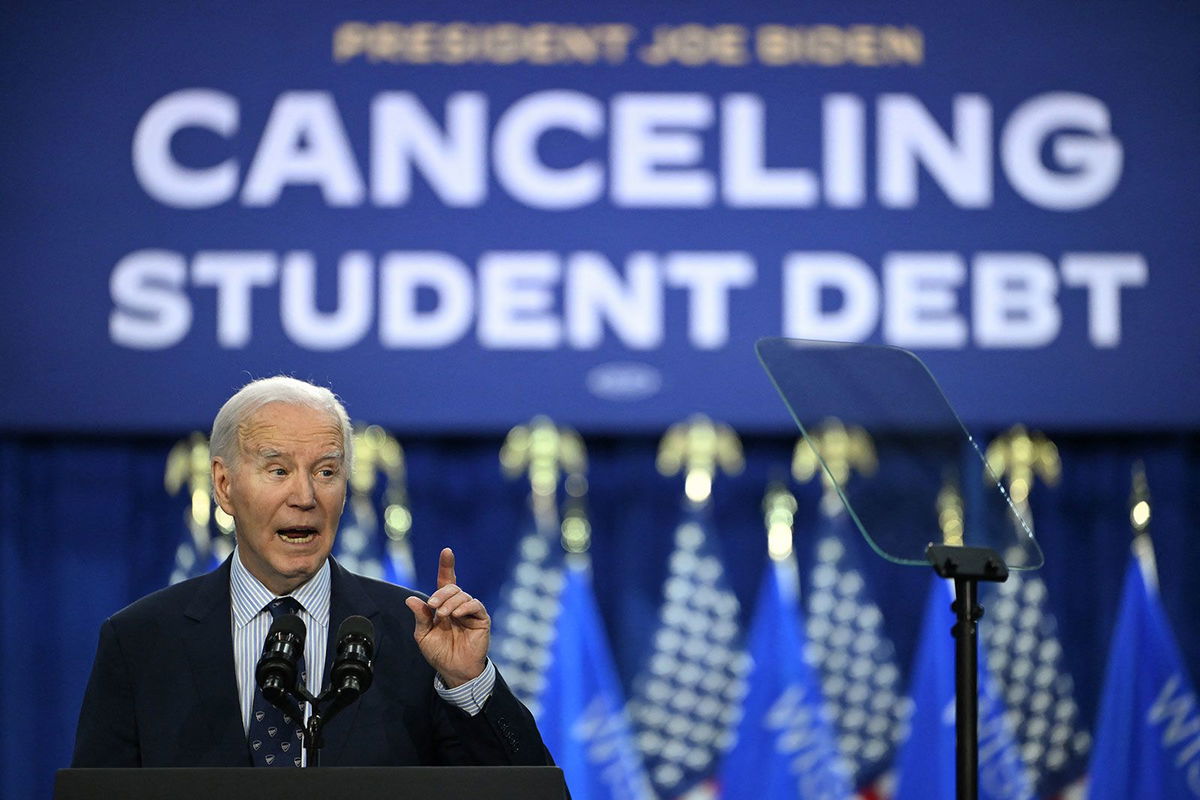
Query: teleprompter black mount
966, 566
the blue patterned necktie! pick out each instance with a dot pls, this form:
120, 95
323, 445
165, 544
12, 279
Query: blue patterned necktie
274, 737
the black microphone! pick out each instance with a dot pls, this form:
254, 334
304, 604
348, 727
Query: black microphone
351, 673
276, 670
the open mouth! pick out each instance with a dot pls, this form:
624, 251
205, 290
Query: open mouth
297, 535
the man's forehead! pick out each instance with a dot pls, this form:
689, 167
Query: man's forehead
281, 428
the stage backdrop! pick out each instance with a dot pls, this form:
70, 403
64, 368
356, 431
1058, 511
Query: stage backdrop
460, 214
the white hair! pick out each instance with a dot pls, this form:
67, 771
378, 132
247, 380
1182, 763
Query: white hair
223, 443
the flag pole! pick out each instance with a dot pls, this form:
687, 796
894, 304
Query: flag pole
1139, 522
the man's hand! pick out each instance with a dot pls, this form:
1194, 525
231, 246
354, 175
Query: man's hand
453, 628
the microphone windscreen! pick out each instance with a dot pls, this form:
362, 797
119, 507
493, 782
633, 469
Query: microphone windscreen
288, 623
357, 626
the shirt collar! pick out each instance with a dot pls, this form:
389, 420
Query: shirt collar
248, 596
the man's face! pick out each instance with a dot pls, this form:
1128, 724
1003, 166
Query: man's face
285, 492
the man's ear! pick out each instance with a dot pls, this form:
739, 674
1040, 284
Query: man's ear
221, 480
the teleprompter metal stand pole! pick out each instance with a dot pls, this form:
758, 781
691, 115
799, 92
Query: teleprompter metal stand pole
967, 566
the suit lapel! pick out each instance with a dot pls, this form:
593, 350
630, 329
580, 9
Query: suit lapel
208, 642
347, 597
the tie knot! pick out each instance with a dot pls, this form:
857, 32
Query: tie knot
283, 605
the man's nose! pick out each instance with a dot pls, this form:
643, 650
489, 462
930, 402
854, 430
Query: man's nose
303, 493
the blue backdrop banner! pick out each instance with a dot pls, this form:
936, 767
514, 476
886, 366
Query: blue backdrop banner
460, 214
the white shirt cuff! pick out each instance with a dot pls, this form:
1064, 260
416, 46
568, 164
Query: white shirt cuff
471, 696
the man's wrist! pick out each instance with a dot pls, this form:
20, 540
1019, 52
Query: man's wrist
455, 681
471, 695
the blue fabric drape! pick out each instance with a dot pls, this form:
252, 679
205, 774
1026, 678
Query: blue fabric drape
86, 527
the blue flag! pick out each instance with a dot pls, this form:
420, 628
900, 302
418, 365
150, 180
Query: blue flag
363, 546
786, 745
855, 657
369, 542
399, 568
359, 546
195, 554
1026, 659
1148, 732
581, 711
926, 763
686, 696
201, 547
526, 615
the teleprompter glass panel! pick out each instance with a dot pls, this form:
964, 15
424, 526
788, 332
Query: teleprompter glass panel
920, 448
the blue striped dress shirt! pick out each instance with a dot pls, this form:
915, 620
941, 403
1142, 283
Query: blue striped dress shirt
251, 620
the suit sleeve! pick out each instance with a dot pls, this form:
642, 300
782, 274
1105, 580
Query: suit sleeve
504, 733
107, 733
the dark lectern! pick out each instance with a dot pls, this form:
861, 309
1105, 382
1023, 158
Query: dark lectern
327, 783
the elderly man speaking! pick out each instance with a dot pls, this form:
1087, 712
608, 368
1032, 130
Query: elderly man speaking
173, 682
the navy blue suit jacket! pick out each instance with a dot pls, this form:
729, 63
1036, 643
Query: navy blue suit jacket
163, 691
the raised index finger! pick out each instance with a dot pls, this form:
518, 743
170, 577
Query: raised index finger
445, 568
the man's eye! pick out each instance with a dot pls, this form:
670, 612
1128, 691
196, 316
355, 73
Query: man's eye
328, 472
278, 471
